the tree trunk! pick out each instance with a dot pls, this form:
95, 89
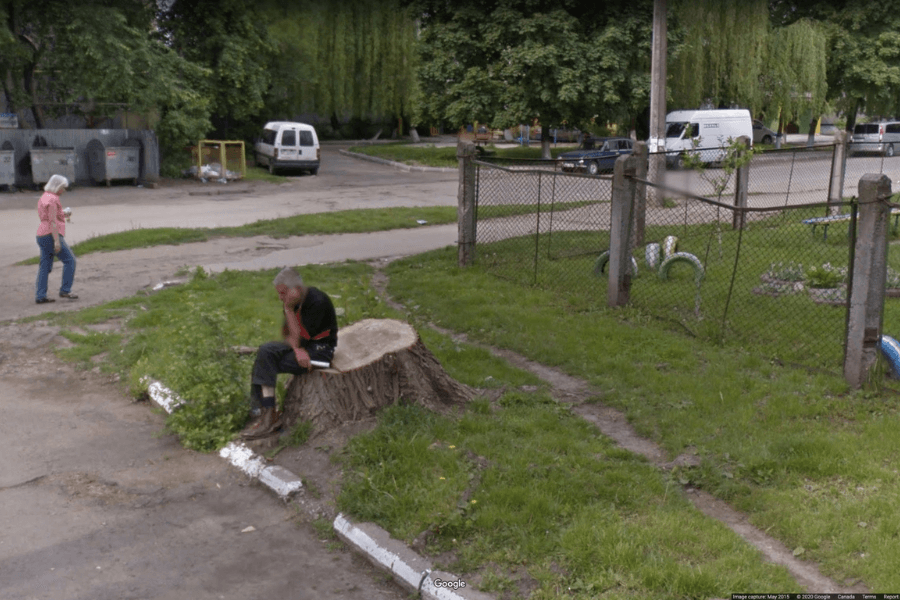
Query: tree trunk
545, 143
377, 363
32, 89
851, 116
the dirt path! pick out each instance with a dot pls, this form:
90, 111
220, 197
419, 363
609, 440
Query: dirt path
614, 424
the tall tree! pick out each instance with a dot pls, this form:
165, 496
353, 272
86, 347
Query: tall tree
504, 62
58, 53
227, 38
863, 47
738, 52
352, 59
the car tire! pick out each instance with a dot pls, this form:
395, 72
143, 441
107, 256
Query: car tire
314, 171
593, 167
679, 162
889, 151
767, 139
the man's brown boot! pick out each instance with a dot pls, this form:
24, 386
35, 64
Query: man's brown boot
268, 423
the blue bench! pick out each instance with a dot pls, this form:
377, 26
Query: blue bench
826, 221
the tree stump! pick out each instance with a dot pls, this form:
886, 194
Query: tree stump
377, 362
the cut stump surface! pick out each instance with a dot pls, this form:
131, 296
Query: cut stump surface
377, 363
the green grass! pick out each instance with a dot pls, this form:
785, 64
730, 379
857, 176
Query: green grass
558, 509
806, 459
789, 327
431, 156
527, 484
345, 221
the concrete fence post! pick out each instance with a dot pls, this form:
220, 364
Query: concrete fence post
621, 240
741, 187
838, 170
640, 208
869, 277
465, 213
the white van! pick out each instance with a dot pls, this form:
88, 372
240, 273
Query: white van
287, 145
704, 131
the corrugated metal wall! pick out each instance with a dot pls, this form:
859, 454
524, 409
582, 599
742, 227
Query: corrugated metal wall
23, 140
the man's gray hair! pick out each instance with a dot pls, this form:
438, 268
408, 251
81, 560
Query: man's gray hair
56, 183
288, 277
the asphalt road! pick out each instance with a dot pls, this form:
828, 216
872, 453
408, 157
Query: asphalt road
342, 183
96, 500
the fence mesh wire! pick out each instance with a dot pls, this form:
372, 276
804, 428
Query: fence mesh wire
777, 286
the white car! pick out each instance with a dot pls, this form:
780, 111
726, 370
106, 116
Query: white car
288, 145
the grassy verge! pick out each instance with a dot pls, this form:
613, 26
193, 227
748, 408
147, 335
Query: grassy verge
519, 496
811, 463
523, 498
345, 221
432, 156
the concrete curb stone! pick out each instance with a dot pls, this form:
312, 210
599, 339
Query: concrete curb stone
409, 570
398, 165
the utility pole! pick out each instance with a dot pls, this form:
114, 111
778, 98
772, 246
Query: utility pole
657, 165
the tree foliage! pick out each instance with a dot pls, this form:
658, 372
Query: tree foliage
355, 58
225, 37
505, 62
863, 47
734, 53
59, 54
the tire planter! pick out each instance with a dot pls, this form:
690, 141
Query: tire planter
651, 255
891, 350
669, 246
603, 260
681, 257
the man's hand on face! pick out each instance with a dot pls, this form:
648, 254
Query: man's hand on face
302, 357
290, 297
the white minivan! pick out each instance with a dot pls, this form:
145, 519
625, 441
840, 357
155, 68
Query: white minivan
288, 145
706, 132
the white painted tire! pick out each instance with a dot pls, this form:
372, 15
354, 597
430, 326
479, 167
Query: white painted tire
651, 255
603, 260
681, 257
670, 246
891, 350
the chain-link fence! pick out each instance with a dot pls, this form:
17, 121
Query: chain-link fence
777, 286
537, 224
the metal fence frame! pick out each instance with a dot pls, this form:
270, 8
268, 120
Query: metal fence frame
817, 173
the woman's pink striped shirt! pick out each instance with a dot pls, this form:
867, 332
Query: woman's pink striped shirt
43, 207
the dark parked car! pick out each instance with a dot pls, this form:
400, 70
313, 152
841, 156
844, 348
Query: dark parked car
596, 154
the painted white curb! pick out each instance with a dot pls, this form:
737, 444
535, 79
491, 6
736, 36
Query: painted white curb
163, 396
409, 569
278, 479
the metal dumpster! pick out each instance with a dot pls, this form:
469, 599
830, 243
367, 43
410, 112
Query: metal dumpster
114, 162
47, 162
7, 166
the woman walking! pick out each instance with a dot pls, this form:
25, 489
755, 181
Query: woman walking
51, 241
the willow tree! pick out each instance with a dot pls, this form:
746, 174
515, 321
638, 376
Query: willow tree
352, 59
733, 54
722, 54
795, 77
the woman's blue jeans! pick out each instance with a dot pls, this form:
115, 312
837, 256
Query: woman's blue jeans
45, 243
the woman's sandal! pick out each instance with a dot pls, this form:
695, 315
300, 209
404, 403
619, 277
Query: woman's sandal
68, 295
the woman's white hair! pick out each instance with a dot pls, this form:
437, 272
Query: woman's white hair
288, 277
56, 183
